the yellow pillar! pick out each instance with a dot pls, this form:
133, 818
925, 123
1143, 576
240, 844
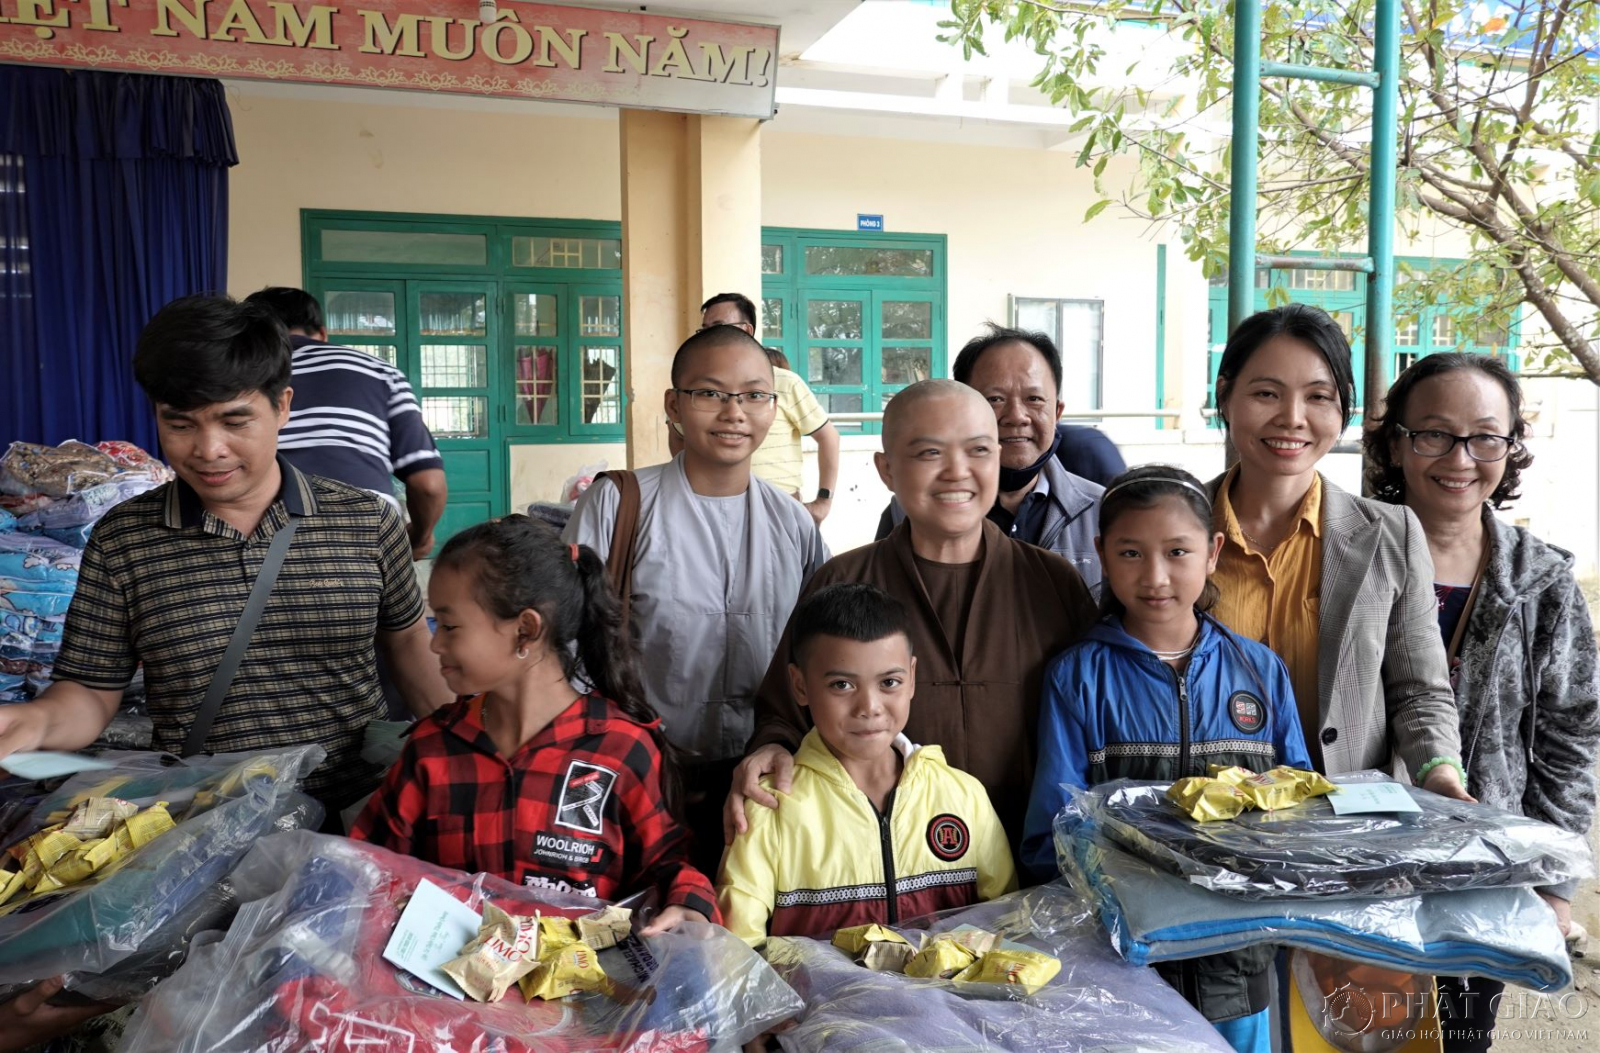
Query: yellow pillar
691, 228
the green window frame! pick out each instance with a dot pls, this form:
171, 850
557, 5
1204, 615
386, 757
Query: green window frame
1343, 294
854, 332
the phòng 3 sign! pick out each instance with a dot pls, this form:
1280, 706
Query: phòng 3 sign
529, 51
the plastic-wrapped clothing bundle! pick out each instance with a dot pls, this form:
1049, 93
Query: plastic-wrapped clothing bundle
1097, 1002
301, 969
55, 471
83, 508
1153, 915
224, 804
1308, 851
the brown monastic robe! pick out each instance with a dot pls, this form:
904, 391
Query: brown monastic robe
982, 706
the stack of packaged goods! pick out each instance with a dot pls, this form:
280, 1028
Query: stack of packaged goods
50, 499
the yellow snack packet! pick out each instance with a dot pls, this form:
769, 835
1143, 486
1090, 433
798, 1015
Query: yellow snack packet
1232, 774
1272, 790
886, 956
569, 969
975, 940
11, 882
1029, 970
44, 848
149, 824
855, 938
605, 927
1207, 799
940, 959
555, 931
502, 953
1311, 783
74, 866
103, 851
96, 817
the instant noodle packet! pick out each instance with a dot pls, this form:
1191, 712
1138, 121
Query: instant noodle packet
502, 953
855, 939
606, 927
886, 956
1206, 799
941, 958
567, 970
1029, 970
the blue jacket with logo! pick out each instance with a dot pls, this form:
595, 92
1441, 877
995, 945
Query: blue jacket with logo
1113, 710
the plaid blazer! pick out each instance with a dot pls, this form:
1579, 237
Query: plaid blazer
1383, 685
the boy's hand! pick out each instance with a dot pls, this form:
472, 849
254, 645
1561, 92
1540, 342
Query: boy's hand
22, 729
772, 760
29, 1019
670, 919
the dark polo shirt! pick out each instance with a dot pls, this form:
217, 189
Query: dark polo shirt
164, 582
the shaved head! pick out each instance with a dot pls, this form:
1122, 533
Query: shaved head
907, 402
716, 338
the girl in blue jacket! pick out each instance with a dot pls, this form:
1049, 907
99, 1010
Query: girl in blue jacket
1160, 690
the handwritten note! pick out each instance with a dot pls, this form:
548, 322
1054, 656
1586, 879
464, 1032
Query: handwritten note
1357, 798
432, 930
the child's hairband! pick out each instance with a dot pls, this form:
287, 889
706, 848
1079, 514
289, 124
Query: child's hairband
1157, 479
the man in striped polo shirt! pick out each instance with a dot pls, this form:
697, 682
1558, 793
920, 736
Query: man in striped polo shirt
355, 418
166, 575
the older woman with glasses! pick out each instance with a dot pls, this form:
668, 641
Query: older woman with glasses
1514, 622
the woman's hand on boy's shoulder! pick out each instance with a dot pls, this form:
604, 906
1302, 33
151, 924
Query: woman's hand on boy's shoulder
771, 759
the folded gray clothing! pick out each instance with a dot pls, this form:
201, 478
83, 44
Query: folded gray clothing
1447, 845
1098, 1002
1506, 934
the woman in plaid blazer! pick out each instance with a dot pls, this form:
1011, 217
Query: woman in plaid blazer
1340, 586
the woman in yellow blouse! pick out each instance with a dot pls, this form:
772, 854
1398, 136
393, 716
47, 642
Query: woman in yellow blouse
1340, 586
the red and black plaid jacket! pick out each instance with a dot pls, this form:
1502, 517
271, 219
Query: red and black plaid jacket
578, 808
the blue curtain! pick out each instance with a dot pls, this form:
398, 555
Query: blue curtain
113, 201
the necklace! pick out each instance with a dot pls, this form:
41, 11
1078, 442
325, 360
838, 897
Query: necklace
1178, 656
1259, 546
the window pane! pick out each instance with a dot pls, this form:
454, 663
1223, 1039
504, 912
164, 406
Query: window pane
453, 365
771, 318
1329, 281
834, 402
404, 246
456, 417
836, 366
602, 403
359, 313
454, 314
907, 320
1081, 353
600, 315
772, 259
1405, 332
833, 319
1040, 316
536, 314
536, 386
567, 253
388, 352
907, 365
1488, 334
1346, 320
865, 260
1403, 360
1444, 330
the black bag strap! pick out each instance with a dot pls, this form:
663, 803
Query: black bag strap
239, 643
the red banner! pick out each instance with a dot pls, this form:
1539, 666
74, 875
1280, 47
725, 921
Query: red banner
537, 51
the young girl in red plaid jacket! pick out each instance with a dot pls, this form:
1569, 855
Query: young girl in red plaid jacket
524, 776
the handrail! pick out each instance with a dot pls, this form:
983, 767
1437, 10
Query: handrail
867, 418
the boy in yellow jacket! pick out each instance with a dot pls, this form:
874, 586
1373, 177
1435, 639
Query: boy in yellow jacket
875, 829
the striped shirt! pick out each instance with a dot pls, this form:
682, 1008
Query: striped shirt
354, 418
163, 582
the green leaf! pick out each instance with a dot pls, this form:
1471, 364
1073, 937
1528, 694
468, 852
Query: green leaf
1096, 208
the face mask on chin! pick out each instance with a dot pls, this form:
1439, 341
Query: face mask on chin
1012, 479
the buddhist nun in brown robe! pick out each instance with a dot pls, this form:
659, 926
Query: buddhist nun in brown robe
987, 612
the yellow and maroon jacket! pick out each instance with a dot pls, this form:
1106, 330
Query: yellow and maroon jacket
827, 858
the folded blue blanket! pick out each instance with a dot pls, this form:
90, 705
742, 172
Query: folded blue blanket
1506, 934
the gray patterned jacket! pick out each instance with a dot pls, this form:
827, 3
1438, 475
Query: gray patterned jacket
1383, 687
1527, 683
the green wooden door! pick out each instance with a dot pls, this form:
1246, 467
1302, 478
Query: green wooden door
453, 330
833, 351
538, 352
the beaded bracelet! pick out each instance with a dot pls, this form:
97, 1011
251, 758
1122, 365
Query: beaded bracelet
1422, 772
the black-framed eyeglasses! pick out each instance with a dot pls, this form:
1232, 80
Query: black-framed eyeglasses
1430, 442
712, 399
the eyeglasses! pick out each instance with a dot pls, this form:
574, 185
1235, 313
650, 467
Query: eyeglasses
1433, 443
711, 399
